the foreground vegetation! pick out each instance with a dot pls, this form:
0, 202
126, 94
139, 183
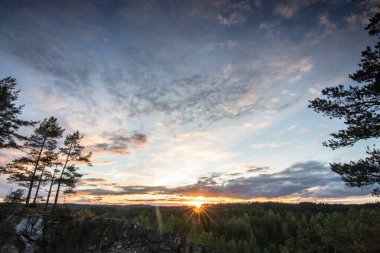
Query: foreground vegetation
65, 230
264, 227
250, 227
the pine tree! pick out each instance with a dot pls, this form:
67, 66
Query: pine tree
52, 178
359, 107
39, 149
47, 160
16, 196
9, 114
72, 151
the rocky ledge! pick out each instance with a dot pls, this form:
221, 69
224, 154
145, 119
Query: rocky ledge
34, 233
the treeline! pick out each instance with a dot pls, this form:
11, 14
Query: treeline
46, 163
265, 227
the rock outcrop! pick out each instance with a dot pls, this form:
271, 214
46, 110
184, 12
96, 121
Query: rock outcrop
21, 233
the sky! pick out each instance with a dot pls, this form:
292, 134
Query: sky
190, 100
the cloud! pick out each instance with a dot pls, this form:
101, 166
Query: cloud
51, 52
152, 200
325, 21
333, 190
133, 73
92, 180
121, 143
269, 145
229, 44
233, 19
252, 168
293, 126
226, 13
102, 162
126, 190
304, 179
97, 182
314, 91
371, 5
290, 8
286, 11
227, 91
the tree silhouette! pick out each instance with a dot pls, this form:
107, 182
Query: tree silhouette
47, 160
52, 178
72, 151
16, 196
40, 153
9, 114
359, 107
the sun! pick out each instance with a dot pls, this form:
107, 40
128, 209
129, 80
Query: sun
198, 210
197, 203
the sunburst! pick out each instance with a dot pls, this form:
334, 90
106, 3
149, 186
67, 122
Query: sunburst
197, 204
198, 210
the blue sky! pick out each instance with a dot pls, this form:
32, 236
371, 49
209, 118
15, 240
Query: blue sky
183, 99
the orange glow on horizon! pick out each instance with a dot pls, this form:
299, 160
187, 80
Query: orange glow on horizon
197, 203
199, 212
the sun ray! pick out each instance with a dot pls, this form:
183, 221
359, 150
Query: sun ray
198, 210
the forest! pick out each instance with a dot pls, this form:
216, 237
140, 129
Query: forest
262, 227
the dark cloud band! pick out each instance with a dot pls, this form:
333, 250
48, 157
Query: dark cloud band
306, 179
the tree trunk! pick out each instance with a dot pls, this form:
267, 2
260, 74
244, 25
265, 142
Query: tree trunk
59, 186
51, 186
34, 172
60, 180
38, 186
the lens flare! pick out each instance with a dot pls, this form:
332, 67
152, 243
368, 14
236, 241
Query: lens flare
197, 204
198, 211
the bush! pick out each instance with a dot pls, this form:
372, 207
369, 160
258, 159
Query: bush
84, 214
16, 196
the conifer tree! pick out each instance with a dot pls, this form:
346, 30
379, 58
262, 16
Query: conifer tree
359, 107
47, 160
52, 178
72, 152
39, 149
9, 114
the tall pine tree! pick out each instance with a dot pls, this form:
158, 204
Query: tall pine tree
51, 176
72, 153
9, 114
47, 160
39, 149
359, 107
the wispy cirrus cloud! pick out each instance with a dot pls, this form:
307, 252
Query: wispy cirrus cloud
326, 22
232, 19
269, 145
144, 85
288, 9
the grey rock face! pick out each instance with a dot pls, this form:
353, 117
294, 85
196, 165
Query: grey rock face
35, 233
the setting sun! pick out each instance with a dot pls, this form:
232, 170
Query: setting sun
198, 202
